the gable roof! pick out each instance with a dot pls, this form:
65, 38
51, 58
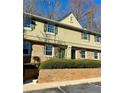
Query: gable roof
70, 19
44, 19
64, 16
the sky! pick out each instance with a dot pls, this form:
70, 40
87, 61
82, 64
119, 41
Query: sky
98, 2
65, 2
65, 8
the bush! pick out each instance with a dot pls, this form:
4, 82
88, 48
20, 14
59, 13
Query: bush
36, 58
66, 63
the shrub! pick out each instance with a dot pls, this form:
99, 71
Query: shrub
36, 58
66, 63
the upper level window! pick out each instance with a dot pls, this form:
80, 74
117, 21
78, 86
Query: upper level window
29, 23
51, 28
48, 50
95, 55
83, 53
26, 48
85, 36
97, 39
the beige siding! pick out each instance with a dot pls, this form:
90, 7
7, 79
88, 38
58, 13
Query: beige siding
66, 37
72, 22
75, 37
69, 37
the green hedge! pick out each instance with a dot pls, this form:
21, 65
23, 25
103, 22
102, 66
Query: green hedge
66, 63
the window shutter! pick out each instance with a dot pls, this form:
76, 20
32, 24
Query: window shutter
88, 36
45, 27
95, 38
82, 35
44, 49
56, 30
33, 22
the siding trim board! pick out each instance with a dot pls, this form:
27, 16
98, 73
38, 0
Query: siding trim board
65, 43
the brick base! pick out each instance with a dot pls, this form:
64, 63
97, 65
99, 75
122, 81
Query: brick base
53, 75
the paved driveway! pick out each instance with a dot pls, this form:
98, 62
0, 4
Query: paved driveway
81, 88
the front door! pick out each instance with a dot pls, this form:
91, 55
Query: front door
62, 53
73, 54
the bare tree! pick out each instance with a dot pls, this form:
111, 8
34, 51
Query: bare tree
84, 9
51, 8
29, 6
76, 7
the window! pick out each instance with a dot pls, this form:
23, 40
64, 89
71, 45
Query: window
97, 39
85, 36
83, 53
95, 55
51, 28
48, 50
29, 23
26, 48
61, 53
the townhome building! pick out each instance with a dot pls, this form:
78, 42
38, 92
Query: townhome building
65, 38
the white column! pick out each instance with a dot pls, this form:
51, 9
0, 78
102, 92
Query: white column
68, 51
53, 51
76, 54
99, 56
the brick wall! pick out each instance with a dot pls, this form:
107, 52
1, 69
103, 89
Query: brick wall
78, 54
89, 55
38, 50
53, 75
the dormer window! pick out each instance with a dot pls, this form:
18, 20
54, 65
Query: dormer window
71, 19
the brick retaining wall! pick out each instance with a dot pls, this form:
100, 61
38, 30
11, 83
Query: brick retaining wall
53, 75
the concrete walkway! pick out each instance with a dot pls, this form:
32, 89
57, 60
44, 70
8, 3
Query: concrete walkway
36, 86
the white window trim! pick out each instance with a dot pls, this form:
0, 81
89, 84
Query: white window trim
51, 33
85, 54
76, 53
96, 40
88, 39
52, 51
27, 28
29, 49
97, 56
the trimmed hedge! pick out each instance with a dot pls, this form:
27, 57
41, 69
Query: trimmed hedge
66, 63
